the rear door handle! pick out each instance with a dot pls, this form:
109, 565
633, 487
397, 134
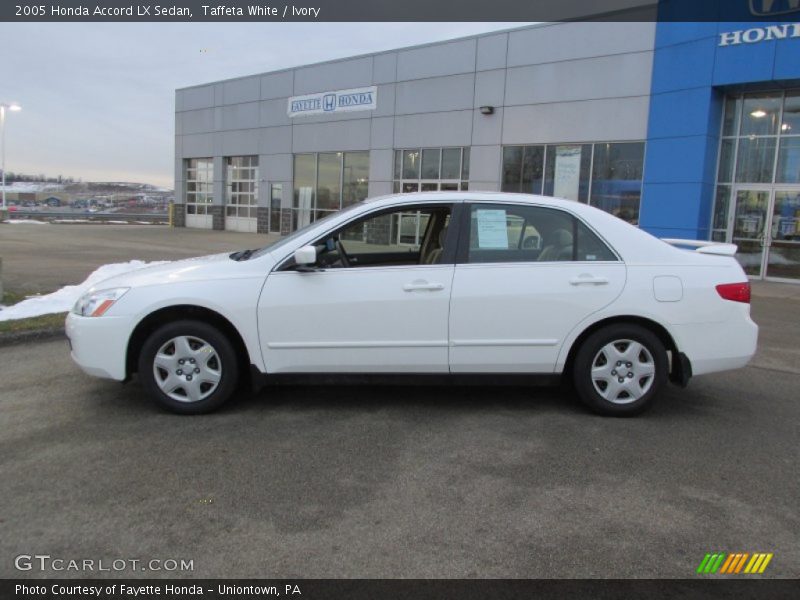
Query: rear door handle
588, 280
422, 286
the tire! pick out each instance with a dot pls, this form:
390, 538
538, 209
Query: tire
620, 369
189, 367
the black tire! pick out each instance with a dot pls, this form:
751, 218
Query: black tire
627, 389
201, 392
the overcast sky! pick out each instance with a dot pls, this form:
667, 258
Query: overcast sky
98, 99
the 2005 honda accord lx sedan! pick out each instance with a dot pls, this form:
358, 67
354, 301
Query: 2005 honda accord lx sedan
449, 284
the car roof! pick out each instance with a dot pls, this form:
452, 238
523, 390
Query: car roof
474, 196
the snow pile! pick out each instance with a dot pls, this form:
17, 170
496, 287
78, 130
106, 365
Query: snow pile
23, 221
63, 300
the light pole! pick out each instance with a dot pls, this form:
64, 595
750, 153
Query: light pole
12, 106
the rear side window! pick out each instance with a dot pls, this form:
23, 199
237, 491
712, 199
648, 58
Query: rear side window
590, 247
512, 233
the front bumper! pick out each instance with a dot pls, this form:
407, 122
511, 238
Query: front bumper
99, 344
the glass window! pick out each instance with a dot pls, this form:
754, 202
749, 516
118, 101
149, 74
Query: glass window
275, 197
726, 151
617, 179
398, 238
730, 121
199, 185
755, 160
788, 170
590, 247
329, 181
760, 114
356, 177
791, 114
511, 233
532, 169
398, 159
512, 169
305, 177
451, 163
241, 185
430, 163
567, 171
411, 164
721, 207
430, 169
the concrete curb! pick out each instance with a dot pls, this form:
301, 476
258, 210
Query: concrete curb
12, 338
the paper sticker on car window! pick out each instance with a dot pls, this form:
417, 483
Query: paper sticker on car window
492, 232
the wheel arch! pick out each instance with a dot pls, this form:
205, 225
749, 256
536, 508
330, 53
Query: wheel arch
656, 328
159, 317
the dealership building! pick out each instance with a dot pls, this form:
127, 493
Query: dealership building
688, 130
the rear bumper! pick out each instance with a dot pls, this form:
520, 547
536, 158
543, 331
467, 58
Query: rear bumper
99, 344
712, 347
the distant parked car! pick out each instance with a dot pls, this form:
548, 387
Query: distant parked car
456, 284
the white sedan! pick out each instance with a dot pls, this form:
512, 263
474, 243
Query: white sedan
454, 286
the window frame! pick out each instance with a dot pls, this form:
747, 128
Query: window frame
465, 226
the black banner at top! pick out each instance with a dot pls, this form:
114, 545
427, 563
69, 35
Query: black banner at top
405, 10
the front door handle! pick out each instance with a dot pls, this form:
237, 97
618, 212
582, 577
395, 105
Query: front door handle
422, 286
588, 280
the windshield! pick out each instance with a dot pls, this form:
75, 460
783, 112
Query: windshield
296, 234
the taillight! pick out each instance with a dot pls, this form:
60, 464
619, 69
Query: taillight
736, 292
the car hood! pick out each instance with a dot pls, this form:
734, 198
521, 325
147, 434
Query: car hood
201, 268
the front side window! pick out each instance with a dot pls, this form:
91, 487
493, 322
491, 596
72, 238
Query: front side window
511, 233
402, 237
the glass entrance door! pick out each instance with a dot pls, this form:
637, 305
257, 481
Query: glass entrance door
766, 228
783, 243
749, 220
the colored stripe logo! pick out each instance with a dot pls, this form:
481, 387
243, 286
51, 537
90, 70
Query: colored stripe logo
734, 563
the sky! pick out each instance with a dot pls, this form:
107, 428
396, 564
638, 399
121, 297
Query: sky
98, 99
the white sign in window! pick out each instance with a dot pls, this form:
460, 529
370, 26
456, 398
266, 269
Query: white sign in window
492, 233
568, 172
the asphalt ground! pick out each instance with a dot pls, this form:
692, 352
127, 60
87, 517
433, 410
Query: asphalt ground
422, 482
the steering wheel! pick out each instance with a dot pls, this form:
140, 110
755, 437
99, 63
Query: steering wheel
342, 254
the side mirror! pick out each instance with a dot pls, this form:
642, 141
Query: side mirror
307, 255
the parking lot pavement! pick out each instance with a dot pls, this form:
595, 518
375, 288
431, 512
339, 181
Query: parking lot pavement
403, 481
42, 258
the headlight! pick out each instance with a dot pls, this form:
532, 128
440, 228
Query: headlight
95, 304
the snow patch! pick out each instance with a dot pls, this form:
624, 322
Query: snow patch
64, 299
23, 221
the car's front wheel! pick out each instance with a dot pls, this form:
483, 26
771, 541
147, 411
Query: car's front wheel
189, 367
620, 369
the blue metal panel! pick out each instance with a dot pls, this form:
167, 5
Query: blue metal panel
678, 159
787, 60
682, 66
675, 211
681, 113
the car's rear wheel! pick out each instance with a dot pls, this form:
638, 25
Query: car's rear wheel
620, 369
189, 367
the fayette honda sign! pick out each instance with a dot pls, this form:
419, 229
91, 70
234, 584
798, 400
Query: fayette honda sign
333, 102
